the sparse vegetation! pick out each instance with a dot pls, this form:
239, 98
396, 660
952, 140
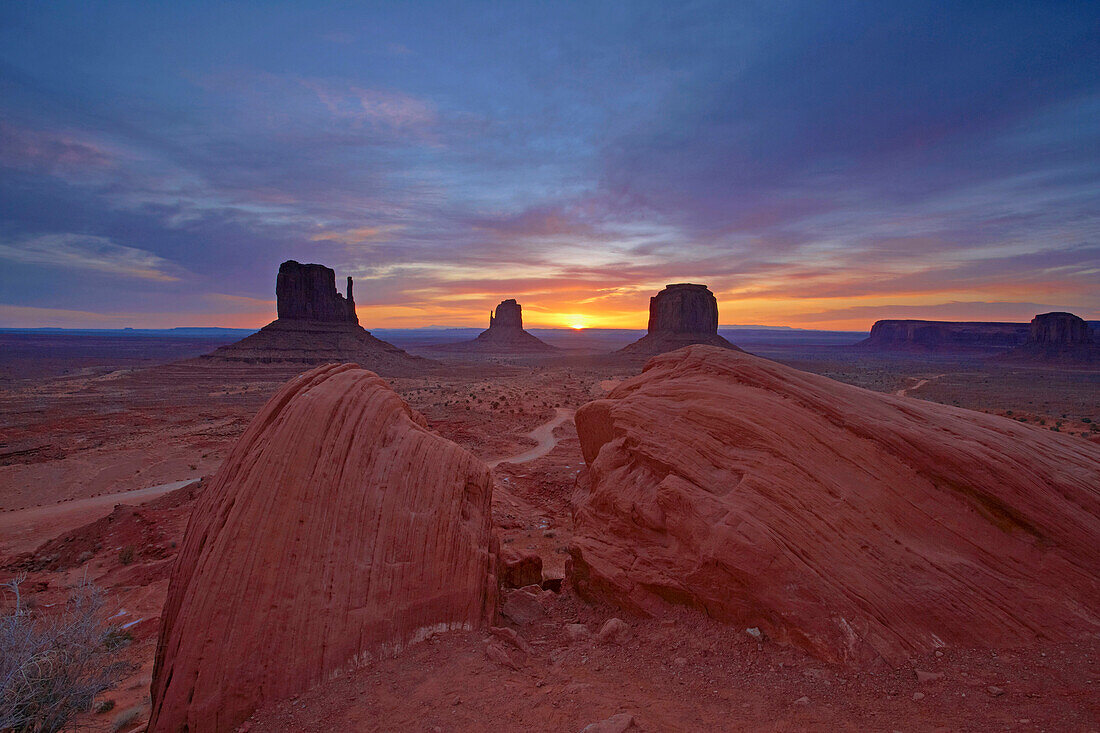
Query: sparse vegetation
53, 665
126, 719
126, 555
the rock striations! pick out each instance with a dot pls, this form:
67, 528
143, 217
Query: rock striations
1060, 338
337, 530
852, 524
504, 335
680, 315
316, 325
944, 336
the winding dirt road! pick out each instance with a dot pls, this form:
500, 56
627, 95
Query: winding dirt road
544, 434
25, 529
906, 390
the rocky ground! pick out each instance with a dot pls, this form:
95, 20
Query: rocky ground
107, 429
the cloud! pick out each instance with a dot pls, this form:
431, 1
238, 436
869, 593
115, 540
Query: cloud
796, 157
359, 235
49, 152
1008, 312
81, 252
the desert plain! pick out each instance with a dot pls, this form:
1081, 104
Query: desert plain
105, 451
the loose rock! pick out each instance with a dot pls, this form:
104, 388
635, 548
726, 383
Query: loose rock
614, 631
614, 724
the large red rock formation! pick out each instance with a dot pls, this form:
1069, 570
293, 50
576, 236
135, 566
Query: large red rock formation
509, 316
308, 292
853, 524
504, 335
1059, 328
944, 336
1058, 338
338, 529
680, 315
317, 325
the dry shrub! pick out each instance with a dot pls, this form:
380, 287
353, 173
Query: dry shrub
53, 665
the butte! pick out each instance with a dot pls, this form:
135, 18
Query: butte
505, 334
1058, 338
316, 325
680, 315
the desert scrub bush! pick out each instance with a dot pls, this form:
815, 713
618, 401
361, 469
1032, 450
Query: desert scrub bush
53, 665
126, 556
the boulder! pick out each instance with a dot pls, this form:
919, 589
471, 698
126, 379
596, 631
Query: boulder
614, 631
853, 524
338, 530
518, 569
680, 315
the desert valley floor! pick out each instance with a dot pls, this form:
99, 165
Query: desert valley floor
105, 449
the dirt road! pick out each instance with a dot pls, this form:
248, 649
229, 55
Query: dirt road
25, 529
544, 434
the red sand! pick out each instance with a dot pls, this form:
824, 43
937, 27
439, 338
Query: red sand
689, 673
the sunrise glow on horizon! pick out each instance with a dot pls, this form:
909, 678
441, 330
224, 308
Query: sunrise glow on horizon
816, 169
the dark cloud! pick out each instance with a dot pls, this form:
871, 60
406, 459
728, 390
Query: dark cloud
796, 150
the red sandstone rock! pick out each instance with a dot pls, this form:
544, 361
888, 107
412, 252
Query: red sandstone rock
317, 325
509, 315
614, 631
308, 292
853, 524
680, 315
944, 336
1059, 328
615, 724
338, 530
1059, 338
519, 569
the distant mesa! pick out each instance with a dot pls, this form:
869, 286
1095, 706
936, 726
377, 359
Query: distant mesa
337, 531
504, 335
1050, 337
316, 325
1059, 338
944, 336
680, 315
854, 525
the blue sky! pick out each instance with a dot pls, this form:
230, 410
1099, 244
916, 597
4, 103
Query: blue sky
817, 164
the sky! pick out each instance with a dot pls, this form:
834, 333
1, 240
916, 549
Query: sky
817, 164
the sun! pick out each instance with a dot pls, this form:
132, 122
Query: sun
576, 326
